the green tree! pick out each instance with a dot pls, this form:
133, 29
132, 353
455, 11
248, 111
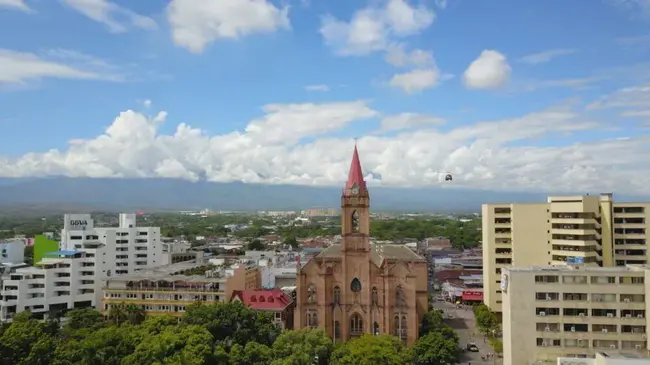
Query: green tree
255, 245
253, 354
20, 339
291, 241
486, 320
185, 345
435, 349
301, 347
371, 350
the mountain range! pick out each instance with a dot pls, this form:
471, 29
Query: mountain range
63, 194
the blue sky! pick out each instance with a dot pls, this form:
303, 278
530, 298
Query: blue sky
568, 76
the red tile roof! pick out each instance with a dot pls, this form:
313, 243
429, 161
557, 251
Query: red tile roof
356, 173
447, 275
263, 299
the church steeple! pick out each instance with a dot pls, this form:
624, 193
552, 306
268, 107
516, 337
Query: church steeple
356, 183
355, 210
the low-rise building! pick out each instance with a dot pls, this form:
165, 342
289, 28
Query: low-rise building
573, 311
607, 358
274, 301
171, 289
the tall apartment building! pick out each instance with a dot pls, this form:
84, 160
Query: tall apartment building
589, 229
574, 311
72, 276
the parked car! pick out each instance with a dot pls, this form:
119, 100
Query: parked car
472, 347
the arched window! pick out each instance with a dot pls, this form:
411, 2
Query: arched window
337, 329
308, 319
375, 328
356, 325
337, 295
400, 300
400, 327
314, 320
355, 221
311, 293
355, 285
374, 299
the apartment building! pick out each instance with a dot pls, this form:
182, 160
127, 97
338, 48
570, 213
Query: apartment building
125, 248
590, 229
573, 311
72, 276
607, 358
171, 289
61, 281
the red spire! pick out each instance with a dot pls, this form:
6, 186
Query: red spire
356, 174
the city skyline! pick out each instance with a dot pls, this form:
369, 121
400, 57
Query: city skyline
555, 95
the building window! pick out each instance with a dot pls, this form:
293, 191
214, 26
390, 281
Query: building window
311, 293
356, 325
355, 221
375, 328
400, 299
400, 327
375, 296
337, 329
312, 319
337, 295
355, 285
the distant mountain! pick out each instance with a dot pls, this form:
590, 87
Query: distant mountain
171, 194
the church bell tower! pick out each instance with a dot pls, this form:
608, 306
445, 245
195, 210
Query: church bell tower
355, 210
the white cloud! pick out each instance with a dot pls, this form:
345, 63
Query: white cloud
147, 103
546, 56
416, 80
489, 71
15, 4
373, 28
118, 19
319, 87
195, 24
272, 149
19, 67
397, 56
630, 98
636, 8
410, 121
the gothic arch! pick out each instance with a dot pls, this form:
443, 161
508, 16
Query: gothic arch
355, 221
400, 297
356, 324
374, 297
337, 295
355, 285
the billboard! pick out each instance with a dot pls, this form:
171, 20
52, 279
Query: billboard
77, 222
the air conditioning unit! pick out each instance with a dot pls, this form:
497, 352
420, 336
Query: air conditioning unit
544, 344
547, 329
638, 347
542, 314
612, 346
644, 337
573, 329
604, 330
626, 300
581, 314
628, 316
610, 315
548, 298
639, 316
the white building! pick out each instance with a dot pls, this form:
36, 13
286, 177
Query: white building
72, 277
12, 250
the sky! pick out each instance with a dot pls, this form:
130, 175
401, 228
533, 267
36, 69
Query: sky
513, 95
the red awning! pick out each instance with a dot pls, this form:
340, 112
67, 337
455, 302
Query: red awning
472, 296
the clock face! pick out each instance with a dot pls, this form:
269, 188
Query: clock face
354, 190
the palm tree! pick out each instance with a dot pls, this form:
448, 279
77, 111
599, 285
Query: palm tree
135, 314
117, 313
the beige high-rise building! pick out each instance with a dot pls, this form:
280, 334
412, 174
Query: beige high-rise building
591, 229
574, 311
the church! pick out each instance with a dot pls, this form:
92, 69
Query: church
358, 287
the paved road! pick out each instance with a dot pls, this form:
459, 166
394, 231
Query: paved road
464, 323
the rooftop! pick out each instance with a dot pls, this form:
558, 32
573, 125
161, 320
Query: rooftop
579, 268
271, 299
168, 273
378, 253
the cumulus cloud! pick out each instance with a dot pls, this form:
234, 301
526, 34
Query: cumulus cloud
15, 4
195, 24
301, 144
117, 18
416, 81
489, 71
373, 28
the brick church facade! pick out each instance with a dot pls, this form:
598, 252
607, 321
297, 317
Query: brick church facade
358, 287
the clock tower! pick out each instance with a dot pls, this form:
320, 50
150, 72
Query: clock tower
355, 210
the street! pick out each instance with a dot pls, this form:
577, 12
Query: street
464, 324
